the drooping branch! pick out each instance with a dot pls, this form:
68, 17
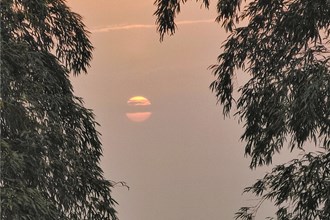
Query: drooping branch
166, 12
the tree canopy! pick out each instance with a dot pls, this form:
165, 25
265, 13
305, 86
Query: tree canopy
284, 49
50, 148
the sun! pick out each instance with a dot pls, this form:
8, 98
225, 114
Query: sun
139, 109
138, 100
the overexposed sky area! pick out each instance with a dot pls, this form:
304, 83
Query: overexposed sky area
185, 162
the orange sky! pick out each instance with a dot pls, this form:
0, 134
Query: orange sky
185, 162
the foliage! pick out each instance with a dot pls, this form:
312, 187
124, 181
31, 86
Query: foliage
166, 13
300, 189
50, 149
284, 49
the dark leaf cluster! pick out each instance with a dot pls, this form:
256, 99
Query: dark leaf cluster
282, 46
166, 12
48, 25
300, 189
285, 50
50, 148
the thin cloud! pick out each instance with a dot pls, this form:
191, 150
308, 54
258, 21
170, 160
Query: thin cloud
196, 21
121, 27
144, 26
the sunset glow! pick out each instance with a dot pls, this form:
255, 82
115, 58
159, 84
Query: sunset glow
162, 131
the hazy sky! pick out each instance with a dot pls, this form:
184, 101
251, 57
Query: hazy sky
185, 162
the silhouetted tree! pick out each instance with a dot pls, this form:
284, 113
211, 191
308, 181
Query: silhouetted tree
284, 49
50, 150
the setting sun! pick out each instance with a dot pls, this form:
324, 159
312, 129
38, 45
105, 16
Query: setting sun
138, 109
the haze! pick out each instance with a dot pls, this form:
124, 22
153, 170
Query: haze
184, 162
